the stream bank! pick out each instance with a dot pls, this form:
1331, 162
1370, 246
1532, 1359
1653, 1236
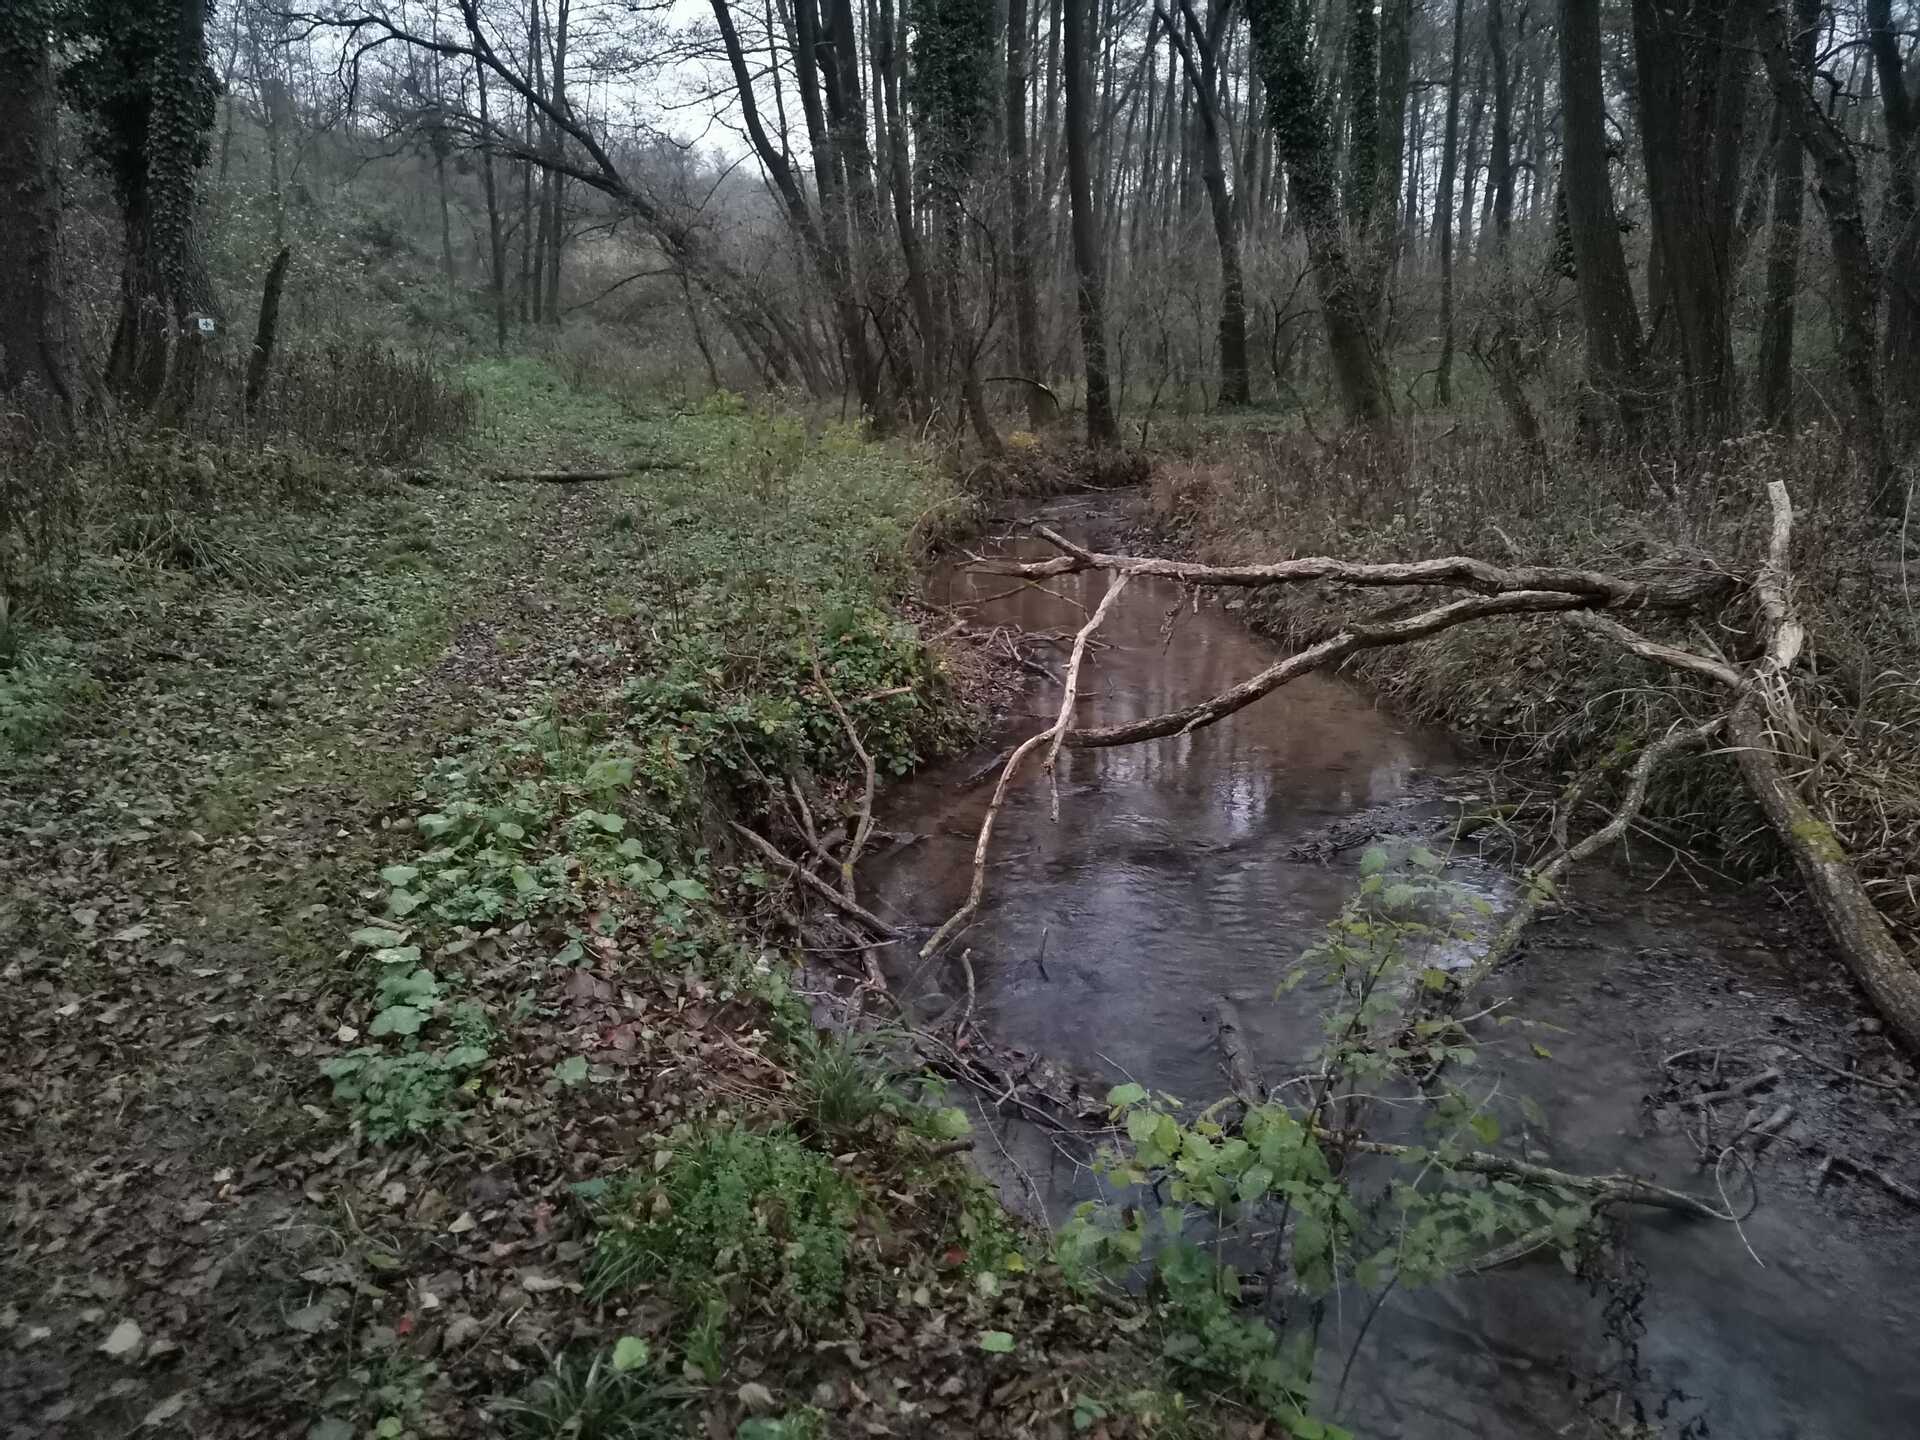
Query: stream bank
1197, 868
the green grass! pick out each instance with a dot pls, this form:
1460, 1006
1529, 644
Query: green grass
735, 1210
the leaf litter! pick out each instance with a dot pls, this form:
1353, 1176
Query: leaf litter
201, 1239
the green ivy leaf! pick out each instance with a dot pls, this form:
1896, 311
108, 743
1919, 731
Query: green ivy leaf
404, 902
1374, 861
398, 1020
996, 1342
377, 937
688, 889
400, 876
1127, 1094
630, 1352
571, 1071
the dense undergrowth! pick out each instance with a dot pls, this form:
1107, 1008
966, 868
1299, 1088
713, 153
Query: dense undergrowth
1541, 693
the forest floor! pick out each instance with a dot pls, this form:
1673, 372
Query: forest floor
391, 1051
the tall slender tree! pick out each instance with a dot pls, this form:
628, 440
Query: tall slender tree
37, 380
1076, 53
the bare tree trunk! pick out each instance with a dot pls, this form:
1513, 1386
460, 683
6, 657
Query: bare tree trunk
894, 140
266, 331
1026, 303
36, 362
496, 244
1784, 239
1902, 213
1102, 430
1616, 359
1503, 357
1203, 76
1691, 62
1465, 231
1837, 183
556, 182
1449, 157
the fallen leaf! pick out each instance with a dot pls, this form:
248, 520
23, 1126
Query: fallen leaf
125, 1340
133, 932
166, 1409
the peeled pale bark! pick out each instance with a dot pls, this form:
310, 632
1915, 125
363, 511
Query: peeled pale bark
36, 366
1102, 430
1616, 359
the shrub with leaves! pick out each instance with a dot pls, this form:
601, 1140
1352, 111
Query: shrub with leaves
1283, 1169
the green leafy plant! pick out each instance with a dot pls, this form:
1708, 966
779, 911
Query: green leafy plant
733, 1211
1282, 1166
616, 1394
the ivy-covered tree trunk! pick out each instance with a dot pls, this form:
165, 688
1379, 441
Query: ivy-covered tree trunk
149, 94
1281, 51
36, 368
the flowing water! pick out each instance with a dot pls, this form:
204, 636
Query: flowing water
1195, 869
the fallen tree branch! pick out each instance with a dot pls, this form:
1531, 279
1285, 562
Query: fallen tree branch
984, 844
1351, 640
863, 827
1541, 884
1462, 571
584, 477
814, 883
1803, 1053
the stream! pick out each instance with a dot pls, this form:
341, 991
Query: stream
1200, 867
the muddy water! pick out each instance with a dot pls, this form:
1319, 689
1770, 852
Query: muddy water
1198, 868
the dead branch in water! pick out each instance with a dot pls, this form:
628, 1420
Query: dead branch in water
984, 844
1601, 1189
1541, 884
1762, 723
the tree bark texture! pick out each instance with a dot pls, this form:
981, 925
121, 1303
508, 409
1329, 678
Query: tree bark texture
36, 359
1616, 359
1102, 429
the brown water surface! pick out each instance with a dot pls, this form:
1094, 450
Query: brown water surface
1199, 867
